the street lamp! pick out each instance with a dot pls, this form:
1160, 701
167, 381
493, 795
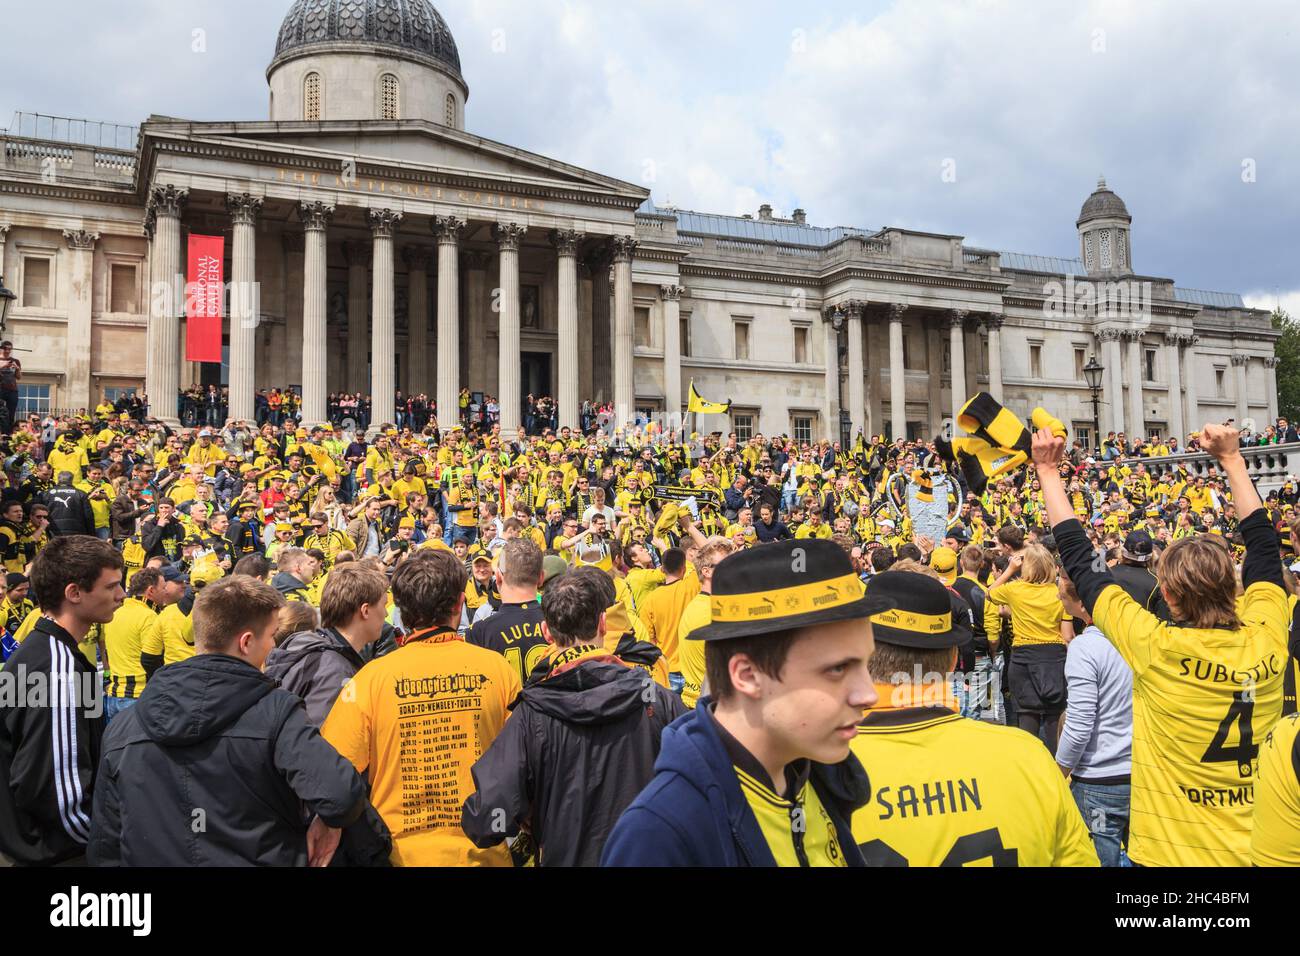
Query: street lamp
1092, 373
6, 299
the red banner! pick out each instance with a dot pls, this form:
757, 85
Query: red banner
204, 298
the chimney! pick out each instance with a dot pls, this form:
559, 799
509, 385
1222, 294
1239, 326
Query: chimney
765, 211
800, 217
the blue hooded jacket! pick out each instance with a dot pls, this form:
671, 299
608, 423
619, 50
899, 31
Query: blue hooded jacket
693, 812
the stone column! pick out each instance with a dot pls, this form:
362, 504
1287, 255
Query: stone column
1239, 360
1270, 384
1177, 427
624, 383
1193, 419
4, 232
315, 218
853, 331
832, 383
672, 296
357, 255
162, 369
81, 246
897, 373
509, 361
602, 349
287, 367
1136, 373
993, 323
957, 362
383, 337
244, 316
417, 260
566, 254
1112, 359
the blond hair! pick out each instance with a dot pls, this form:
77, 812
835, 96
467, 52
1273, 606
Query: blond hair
1039, 566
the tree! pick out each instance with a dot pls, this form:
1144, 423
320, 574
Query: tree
1287, 349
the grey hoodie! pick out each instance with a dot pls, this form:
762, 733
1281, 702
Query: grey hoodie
314, 665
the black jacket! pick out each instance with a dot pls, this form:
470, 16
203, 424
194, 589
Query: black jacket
576, 751
314, 665
70, 511
1140, 584
49, 749
217, 766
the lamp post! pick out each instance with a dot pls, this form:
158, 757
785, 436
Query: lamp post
1092, 373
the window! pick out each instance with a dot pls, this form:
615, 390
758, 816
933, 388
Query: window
122, 293
1149, 367
1218, 382
801, 428
33, 398
642, 324
685, 335
1079, 363
742, 341
1083, 433
389, 107
800, 345
36, 283
742, 423
311, 97
451, 110
1035, 361
113, 392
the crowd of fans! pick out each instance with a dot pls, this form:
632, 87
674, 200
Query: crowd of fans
670, 613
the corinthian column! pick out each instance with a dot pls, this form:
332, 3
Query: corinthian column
993, 323
162, 369
447, 229
897, 373
507, 236
1137, 426
315, 218
1193, 420
624, 384
566, 250
1270, 384
672, 296
383, 338
1177, 427
243, 304
957, 361
853, 329
1239, 360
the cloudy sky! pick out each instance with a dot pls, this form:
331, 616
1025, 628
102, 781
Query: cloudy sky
852, 110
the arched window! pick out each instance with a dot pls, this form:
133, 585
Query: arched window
388, 97
311, 97
451, 110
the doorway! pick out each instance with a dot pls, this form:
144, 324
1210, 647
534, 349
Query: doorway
535, 374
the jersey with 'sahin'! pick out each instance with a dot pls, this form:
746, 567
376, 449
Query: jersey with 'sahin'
950, 791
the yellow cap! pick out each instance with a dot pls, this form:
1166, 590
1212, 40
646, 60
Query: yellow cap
283, 526
943, 561
407, 522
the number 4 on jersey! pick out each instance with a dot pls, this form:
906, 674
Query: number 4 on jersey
1244, 752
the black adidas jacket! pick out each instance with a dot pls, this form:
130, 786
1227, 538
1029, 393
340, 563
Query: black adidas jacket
218, 766
49, 748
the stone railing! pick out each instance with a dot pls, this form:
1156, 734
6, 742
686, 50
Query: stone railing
1270, 466
60, 159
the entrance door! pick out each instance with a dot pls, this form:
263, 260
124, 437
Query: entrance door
535, 377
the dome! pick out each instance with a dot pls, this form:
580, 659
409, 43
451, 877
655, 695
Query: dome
1103, 204
411, 29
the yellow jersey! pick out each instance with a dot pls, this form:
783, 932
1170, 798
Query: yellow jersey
950, 791
133, 631
1275, 835
690, 654
177, 632
414, 721
661, 611
1036, 611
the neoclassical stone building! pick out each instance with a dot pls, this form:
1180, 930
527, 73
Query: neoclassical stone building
390, 248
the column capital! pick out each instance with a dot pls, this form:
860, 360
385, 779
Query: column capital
80, 238
1239, 359
993, 322
896, 311
4, 229
383, 222
243, 208
1191, 340
166, 201
508, 235
315, 215
1270, 361
624, 248
476, 261
852, 308
1132, 335
566, 241
447, 229
1173, 337
1109, 335
417, 258
356, 253
956, 318
672, 293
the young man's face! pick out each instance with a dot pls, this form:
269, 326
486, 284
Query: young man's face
100, 603
813, 709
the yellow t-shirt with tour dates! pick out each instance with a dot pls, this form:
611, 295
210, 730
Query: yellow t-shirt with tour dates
414, 721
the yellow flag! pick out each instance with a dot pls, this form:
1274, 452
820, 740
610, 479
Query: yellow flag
704, 407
